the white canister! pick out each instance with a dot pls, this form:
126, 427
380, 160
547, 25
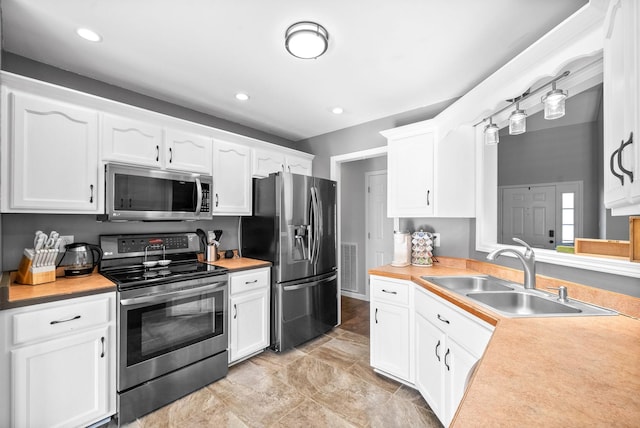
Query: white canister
401, 249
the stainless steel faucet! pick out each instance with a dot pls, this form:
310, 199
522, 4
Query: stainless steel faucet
528, 260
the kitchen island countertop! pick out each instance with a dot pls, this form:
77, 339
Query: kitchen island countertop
554, 371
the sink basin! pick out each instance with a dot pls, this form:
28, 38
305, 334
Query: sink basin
466, 284
518, 303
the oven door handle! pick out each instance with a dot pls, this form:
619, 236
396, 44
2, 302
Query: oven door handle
162, 297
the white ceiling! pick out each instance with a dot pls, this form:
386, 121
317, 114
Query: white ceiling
384, 58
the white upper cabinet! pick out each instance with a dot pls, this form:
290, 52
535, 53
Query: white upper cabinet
298, 165
49, 156
231, 179
266, 162
187, 152
430, 175
131, 141
622, 107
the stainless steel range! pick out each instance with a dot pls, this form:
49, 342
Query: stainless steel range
172, 319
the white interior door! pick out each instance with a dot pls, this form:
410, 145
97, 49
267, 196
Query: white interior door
528, 213
379, 226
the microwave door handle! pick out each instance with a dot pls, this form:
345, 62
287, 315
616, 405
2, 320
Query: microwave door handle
199, 196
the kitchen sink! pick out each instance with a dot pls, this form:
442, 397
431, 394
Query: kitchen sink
465, 284
513, 300
523, 303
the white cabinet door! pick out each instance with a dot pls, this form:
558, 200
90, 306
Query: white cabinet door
459, 364
298, 165
390, 348
249, 330
231, 179
622, 107
51, 157
266, 162
131, 141
61, 382
430, 351
410, 176
187, 152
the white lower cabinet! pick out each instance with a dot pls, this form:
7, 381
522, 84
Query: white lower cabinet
61, 360
449, 343
391, 328
249, 313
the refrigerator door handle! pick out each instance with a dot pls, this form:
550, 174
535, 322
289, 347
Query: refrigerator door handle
315, 224
308, 284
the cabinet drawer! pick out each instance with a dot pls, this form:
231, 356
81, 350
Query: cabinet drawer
467, 330
53, 319
248, 280
390, 291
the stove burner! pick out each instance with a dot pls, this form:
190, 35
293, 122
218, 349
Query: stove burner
164, 272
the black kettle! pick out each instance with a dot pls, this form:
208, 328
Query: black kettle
79, 259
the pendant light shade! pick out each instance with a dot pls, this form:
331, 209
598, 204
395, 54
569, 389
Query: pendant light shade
517, 121
491, 133
306, 40
554, 103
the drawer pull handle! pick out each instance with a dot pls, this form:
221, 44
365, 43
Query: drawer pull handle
444, 320
376, 316
389, 292
437, 355
102, 340
445, 359
77, 317
235, 311
251, 282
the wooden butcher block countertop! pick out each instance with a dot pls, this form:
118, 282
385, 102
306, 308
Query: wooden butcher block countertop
547, 372
13, 295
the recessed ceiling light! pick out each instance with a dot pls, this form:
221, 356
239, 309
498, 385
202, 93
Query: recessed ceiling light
242, 96
337, 110
88, 34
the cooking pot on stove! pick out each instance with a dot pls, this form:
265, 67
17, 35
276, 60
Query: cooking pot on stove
79, 258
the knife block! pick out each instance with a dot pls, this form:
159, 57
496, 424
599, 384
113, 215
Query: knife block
27, 274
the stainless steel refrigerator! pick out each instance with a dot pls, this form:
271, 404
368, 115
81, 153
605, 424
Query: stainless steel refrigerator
294, 227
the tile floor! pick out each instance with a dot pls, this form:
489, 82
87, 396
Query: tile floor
326, 382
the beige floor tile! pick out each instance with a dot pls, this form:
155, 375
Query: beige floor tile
362, 369
341, 353
401, 413
311, 414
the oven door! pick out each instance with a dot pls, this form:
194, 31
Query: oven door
164, 328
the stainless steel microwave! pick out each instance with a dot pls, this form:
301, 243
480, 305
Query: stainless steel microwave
134, 193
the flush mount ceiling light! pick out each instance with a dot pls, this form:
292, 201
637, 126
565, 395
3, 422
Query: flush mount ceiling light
491, 133
306, 40
88, 35
241, 96
554, 103
337, 110
517, 121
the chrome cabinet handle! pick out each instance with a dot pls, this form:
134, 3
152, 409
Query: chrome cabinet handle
102, 340
235, 311
77, 317
170, 155
445, 359
437, 355
157, 153
91, 194
623, 145
444, 320
389, 292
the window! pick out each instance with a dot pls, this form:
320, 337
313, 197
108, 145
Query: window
568, 217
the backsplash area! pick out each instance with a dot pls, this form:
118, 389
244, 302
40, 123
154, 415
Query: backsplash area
18, 230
